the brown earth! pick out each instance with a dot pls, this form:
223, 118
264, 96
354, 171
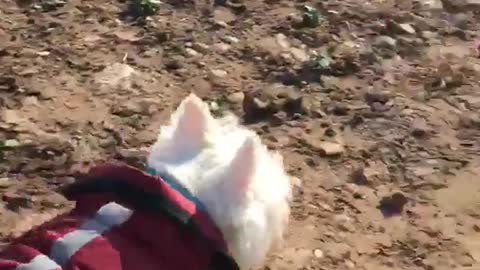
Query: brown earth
375, 108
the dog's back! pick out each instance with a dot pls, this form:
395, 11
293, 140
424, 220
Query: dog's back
123, 219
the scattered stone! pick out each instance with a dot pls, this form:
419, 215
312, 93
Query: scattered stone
470, 120
224, 15
11, 143
358, 176
254, 108
14, 201
11, 117
459, 6
330, 149
377, 97
330, 132
230, 39
400, 28
114, 74
299, 54
236, 98
5, 182
419, 128
191, 52
201, 47
385, 42
297, 104
222, 47
217, 73
340, 109
344, 223
318, 253
393, 205
350, 264
278, 118
128, 35
8, 84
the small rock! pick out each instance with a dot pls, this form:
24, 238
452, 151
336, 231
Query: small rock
400, 28
201, 47
214, 106
393, 205
330, 149
15, 201
5, 182
217, 73
330, 132
470, 120
282, 40
420, 128
278, 118
299, 54
8, 84
222, 47
358, 176
340, 110
377, 97
318, 253
297, 105
428, 34
350, 264
11, 143
222, 14
126, 109
114, 74
385, 42
11, 117
254, 108
236, 98
191, 52
344, 222
230, 39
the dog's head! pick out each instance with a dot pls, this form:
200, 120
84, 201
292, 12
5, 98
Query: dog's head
243, 186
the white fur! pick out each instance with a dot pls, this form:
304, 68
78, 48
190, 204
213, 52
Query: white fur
243, 186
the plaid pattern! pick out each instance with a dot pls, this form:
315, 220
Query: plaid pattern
123, 219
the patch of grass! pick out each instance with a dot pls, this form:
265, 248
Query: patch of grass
144, 8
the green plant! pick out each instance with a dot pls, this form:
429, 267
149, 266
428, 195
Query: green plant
310, 16
145, 7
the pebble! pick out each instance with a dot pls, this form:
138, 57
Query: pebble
393, 205
218, 73
318, 253
419, 128
11, 143
5, 182
401, 28
201, 47
385, 42
11, 117
295, 181
330, 148
222, 47
230, 39
114, 74
349, 264
236, 97
191, 52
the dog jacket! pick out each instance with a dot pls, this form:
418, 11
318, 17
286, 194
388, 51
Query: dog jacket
124, 219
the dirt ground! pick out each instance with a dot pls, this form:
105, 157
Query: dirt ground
375, 108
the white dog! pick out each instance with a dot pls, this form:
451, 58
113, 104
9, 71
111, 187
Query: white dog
242, 185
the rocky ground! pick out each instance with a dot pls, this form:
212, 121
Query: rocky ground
374, 104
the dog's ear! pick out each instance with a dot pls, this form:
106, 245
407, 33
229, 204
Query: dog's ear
193, 122
243, 167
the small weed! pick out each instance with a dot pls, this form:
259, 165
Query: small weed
144, 8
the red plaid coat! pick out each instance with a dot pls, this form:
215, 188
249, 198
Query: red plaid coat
123, 219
